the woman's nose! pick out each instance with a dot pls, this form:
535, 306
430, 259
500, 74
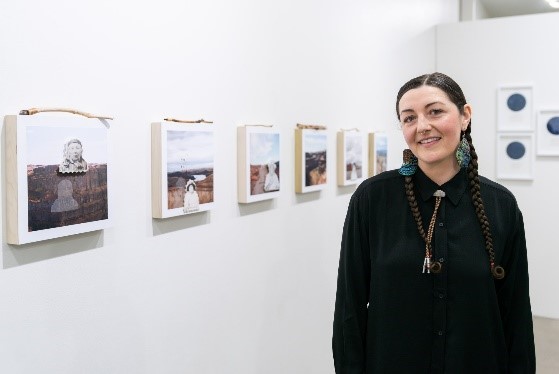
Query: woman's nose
423, 124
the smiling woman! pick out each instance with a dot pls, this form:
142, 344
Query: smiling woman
433, 298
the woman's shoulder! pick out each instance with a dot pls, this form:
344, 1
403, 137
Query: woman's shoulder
495, 187
495, 191
382, 181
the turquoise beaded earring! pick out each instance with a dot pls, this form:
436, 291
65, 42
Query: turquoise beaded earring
409, 167
463, 152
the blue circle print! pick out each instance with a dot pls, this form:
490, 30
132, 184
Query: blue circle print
516, 102
516, 150
553, 125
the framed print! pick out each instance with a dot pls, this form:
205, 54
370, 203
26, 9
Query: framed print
258, 163
350, 157
182, 168
514, 108
57, 177
547, 131
515, 156
378, 152
310, 160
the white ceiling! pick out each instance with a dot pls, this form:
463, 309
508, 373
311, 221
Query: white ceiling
505, 8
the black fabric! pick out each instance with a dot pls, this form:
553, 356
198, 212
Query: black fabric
392, 318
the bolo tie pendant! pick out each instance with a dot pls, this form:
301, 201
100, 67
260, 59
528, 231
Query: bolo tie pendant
429, 266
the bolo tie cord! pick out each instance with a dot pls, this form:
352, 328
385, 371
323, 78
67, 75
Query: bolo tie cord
429, 265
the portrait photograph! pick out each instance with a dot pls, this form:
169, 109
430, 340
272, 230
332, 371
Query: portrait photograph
60, 193
182, 168
258, 163
310, 160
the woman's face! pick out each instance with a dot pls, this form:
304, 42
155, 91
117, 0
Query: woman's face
432, 124
74, 151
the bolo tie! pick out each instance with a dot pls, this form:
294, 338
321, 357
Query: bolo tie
429, 265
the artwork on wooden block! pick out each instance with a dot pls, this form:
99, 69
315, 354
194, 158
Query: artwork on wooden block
182, 168
258, 163
57, 177
378, 152
548, 133
514, 108
310, 160
350, 156
515, 154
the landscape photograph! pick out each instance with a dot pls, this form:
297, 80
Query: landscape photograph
380, 153
314, 145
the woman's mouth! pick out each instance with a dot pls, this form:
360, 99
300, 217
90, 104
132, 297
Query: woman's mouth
429, 140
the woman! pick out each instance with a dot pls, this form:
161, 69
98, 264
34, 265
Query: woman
433, 274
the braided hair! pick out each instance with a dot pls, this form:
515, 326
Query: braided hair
455, 94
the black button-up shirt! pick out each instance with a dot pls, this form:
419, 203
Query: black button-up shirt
392, 318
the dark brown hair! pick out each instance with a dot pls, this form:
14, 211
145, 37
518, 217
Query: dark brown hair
455, 94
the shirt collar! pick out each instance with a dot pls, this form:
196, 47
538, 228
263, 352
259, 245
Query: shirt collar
454, 188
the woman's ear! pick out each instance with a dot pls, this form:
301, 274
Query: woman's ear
466, 117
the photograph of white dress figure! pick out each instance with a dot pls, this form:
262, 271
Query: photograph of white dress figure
353, 156
190, 169
264, 163
62, 188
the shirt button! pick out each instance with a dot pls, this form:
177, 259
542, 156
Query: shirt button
441, 296
441, 224
441, 260
440, 333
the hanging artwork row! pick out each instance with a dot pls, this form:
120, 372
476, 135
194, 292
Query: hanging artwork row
57, 176
258, 163
182, 167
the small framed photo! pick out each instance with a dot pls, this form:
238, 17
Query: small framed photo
57, 177
258, 163
310, 160
182, 168
378, 151
548, 133
350, 157
514, 108
515, 156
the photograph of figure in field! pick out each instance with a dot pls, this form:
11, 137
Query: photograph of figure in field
315, 145
190, 169
58, 198
353, 156
264, 163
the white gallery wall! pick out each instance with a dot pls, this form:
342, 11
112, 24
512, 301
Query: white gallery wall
483, 55
238, 289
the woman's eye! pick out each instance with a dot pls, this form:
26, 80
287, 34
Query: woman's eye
408, 119
435, 111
